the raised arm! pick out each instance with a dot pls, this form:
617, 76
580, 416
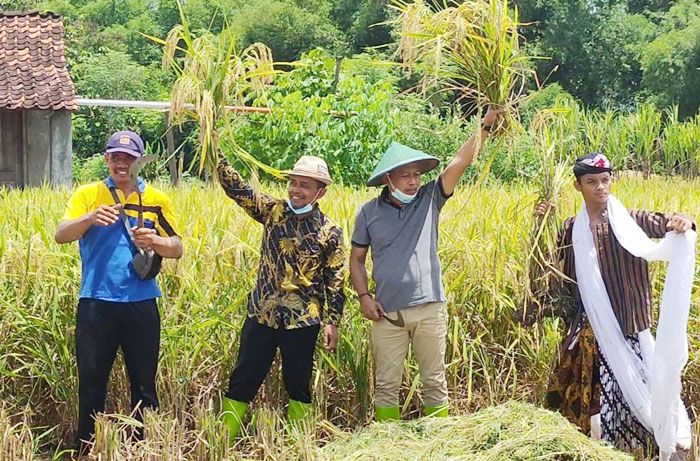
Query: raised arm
466, 154
257, 204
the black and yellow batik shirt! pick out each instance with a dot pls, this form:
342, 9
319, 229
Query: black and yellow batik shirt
301, 260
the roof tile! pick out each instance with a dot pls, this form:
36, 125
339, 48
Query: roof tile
33, 72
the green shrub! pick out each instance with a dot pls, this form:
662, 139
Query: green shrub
90, 169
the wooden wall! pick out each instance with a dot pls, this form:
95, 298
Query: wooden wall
35, 148
11, 147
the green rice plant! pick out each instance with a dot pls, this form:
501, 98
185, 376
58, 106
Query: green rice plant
679, 144
644, 131
617, 142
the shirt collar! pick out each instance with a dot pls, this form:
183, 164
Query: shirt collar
140, 183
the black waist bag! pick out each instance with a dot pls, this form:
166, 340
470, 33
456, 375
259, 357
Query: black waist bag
146, 263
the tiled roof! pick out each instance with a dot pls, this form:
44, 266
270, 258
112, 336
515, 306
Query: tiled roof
33, 73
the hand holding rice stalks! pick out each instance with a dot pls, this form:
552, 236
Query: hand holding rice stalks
542, 273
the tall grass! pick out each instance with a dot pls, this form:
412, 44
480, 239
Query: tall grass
491, 359
647, 141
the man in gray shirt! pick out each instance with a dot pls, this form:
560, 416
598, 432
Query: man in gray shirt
401, 228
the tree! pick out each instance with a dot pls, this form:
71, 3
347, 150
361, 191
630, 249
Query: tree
366, 29
114, 75
671, 71
594, 48
17, 5
287, 29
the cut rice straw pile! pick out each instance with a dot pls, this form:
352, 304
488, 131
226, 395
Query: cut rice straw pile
509, 432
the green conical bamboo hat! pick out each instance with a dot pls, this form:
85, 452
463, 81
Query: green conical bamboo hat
398, 155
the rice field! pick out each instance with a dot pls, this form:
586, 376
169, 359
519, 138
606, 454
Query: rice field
491, 359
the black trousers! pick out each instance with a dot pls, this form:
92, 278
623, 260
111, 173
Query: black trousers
103, 327
259, 344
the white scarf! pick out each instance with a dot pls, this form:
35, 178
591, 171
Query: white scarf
650, 386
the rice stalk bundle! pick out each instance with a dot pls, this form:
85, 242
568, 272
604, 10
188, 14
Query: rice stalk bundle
213, 73
512, 431
470, 47
541, 270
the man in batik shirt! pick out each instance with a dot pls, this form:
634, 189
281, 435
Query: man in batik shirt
301, 270
584, 387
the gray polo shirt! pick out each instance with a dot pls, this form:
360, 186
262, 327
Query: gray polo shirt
403, 242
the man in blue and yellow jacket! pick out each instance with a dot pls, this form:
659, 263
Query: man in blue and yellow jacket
117, 308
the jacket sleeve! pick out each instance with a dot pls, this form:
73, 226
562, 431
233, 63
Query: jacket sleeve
257, 204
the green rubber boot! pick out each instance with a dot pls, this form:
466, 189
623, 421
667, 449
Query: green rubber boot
439, 411
232, 413
387, 414
298, 411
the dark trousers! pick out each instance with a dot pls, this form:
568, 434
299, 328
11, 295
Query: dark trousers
259, 344
103, 327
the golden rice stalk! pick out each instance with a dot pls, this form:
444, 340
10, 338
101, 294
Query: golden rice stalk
211, 75
471, 48
541, 263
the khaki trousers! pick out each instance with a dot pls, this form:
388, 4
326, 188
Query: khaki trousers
426, 329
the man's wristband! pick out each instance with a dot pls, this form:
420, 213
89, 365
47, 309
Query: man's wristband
359, 296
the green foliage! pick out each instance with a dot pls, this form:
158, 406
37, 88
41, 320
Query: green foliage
607, 54
617, 43
545, 98
595, 49
287, 29
114, 75
349, 128
17, 5
671, 62
90, 169
361, 20
420, 126
620, 53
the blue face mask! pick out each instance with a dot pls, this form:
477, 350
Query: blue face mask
400, 196
302, 210
306, 208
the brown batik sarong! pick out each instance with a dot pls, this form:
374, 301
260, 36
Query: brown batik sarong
576, 387
574, 390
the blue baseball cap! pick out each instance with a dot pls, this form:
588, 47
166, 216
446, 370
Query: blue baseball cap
125, 141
